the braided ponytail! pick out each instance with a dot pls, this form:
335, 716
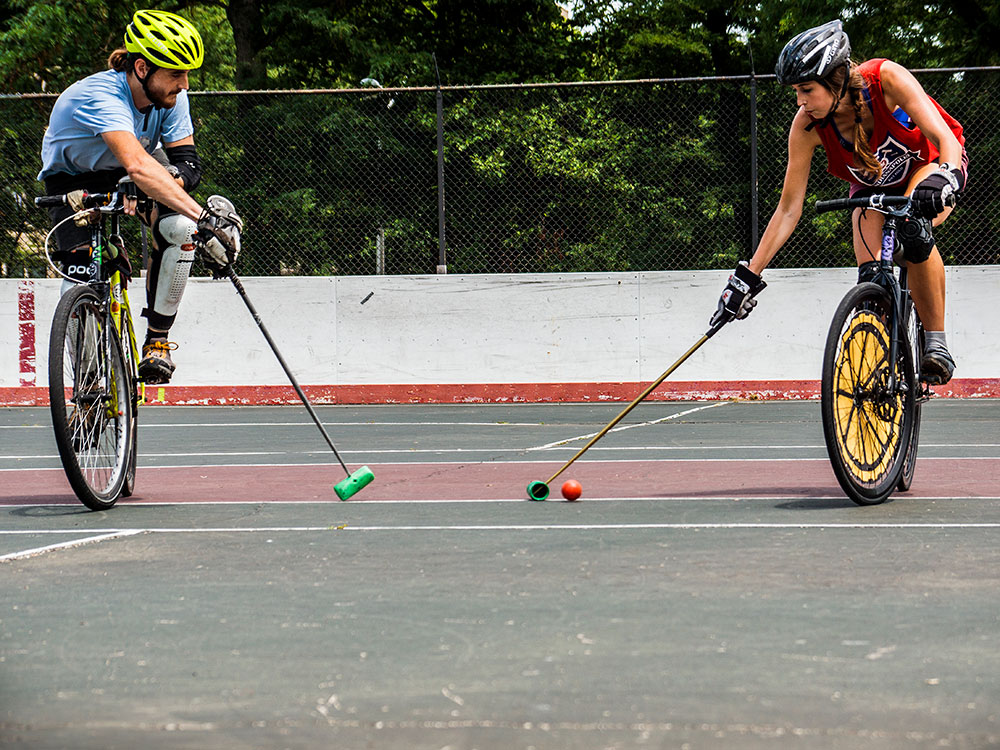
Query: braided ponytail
852, 87
863, 156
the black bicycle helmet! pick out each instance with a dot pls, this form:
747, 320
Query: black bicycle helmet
814, 54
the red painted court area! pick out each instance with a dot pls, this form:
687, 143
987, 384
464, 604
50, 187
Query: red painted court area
709, 479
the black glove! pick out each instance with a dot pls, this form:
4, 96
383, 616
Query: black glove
144, 205
937, 191
737, 299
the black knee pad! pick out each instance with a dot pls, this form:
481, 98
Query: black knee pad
916, 239
868, 271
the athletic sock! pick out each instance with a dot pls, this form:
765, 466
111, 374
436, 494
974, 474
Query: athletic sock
152, 336
935, 341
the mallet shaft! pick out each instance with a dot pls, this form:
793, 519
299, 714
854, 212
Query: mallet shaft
653, 386
281, 360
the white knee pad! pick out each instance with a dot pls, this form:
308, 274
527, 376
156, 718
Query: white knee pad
175, 263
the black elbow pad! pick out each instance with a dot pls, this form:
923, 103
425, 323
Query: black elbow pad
185, 158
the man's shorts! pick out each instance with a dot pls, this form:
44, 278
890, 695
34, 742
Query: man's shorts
69, 236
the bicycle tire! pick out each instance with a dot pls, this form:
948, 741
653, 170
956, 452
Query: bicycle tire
128, 486
866, 427
88, 396
915, 335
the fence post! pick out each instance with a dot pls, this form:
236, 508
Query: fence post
754, 224
442, 264
380, 252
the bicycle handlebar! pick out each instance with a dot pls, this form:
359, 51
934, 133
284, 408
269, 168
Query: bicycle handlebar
90, 200
876, 202
50, 201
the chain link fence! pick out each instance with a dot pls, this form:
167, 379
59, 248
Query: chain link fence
604, 176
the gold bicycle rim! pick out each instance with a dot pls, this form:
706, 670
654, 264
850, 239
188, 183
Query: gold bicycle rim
868, 432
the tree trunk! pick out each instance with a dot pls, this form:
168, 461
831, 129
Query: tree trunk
245, 18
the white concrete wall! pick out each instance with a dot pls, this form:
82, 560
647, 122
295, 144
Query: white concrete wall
512, 329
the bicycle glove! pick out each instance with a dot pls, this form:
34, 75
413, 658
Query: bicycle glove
737, 298
937, 191
84, 216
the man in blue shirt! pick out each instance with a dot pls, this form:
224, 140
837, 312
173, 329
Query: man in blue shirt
109, 126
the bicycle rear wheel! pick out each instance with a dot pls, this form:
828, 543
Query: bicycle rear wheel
867, 425
89, 397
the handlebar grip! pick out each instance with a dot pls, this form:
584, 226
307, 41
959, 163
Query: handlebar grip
832, 205
90, 200
50, 201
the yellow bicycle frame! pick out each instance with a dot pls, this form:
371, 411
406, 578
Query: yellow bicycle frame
121, 314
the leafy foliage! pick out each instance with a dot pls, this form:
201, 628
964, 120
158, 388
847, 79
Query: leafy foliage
542, 179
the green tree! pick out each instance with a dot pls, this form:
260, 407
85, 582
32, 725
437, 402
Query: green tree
47, 45
297, 43
541, 179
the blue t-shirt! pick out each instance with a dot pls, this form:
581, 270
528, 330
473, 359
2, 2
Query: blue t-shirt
102, 103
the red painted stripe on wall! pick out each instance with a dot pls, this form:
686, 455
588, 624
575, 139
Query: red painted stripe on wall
492, 393
26, 331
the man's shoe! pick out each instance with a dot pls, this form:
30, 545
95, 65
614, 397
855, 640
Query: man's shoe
936, 367
156, 366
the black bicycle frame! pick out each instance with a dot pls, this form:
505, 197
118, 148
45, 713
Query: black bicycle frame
891, 284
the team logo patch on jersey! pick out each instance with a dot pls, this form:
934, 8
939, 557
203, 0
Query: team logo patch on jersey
896, 160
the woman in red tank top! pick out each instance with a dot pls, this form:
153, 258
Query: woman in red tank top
882, 133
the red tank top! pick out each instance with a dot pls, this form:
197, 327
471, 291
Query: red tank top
896, 141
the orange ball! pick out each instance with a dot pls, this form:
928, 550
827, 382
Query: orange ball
571, 489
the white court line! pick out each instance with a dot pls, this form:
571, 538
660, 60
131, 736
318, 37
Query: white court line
64, 545
166, 455
486, 501
629, 426
348, 424
155, 425
440, 451
501, 527
462, 451
548, 461
554, 447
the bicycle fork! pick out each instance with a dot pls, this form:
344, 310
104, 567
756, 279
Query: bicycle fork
895, 296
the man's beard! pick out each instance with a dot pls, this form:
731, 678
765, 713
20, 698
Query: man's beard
162, 101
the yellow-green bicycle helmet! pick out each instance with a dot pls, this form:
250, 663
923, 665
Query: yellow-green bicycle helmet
165, 39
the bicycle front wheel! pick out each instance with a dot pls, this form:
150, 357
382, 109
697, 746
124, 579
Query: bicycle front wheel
128, 486
915, 334
867, 400
89, 397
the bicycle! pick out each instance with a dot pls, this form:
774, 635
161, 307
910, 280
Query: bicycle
871, 393
93, 359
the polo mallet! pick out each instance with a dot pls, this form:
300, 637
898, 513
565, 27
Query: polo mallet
361, 478
540, 490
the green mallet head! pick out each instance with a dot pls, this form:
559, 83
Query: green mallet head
538, 491
353, 484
